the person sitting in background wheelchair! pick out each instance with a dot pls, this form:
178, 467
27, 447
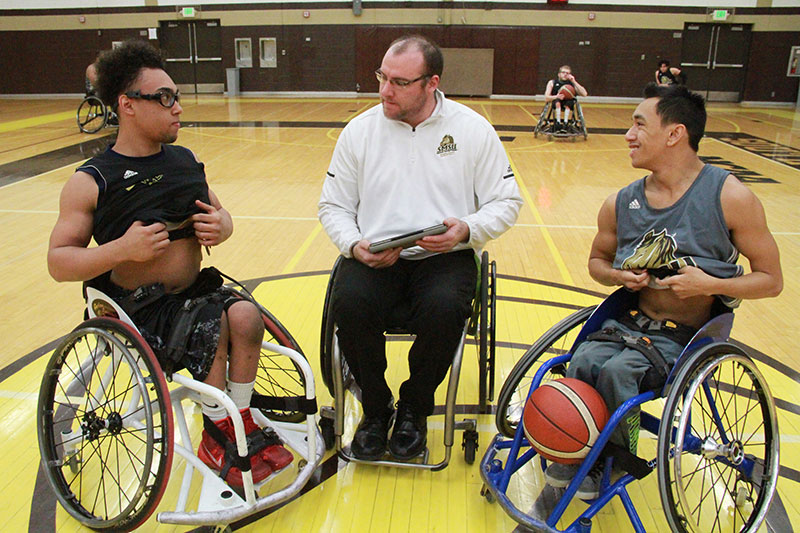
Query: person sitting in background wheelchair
551, 94
674, 237
147, 204
379, 185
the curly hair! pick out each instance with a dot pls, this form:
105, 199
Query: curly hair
119, 68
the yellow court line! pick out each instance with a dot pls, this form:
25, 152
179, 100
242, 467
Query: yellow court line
290, 266
330, 133
534, 117
14, 125
548, 239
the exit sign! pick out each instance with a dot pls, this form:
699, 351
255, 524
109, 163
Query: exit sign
720, 14
187, 12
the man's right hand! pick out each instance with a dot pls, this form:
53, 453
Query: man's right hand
634, 280
144, 242
383, 259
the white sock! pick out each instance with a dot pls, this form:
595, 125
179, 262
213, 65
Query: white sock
566, 115
558, 114
240, 393
214, 411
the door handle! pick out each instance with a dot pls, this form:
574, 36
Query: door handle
716, 48
710, 47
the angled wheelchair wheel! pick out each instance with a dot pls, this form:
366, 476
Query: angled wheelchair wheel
105, 426
718, 444
486, 332
278, 376
91, 116
543, 126
327, 339
514, 392
580, 123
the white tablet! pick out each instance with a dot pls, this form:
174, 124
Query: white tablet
407, 239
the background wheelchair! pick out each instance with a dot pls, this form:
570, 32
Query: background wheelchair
717, 449
93, 115
576, 125
107, 420
337, 377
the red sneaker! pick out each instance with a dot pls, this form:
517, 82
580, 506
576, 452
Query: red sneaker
213, 454
275, 455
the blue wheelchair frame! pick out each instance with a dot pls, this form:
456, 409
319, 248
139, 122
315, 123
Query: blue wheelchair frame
497, 476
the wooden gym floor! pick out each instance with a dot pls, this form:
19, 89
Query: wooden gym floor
266, 159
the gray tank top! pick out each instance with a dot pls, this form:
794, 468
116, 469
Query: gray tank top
691, 232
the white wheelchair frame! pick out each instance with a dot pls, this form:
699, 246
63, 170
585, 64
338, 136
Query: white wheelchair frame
218, 504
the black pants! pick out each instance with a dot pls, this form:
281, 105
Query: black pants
437, 292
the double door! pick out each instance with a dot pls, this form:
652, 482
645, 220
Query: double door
193, 53
714, 59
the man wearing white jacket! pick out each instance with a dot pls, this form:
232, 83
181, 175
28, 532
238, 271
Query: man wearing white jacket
414, 161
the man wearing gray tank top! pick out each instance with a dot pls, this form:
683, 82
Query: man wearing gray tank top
674, 237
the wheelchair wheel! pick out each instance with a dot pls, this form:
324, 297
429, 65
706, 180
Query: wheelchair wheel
514, 392
543, 124
486, 333
580, 122
92, 116
718, 444
278, 376
105, 426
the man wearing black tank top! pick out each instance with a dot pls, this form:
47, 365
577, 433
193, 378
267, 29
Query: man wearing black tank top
148, 207
687, 220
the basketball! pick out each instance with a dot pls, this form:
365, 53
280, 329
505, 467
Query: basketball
568, 91
563, 418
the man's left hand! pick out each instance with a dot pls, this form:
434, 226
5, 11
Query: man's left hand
208, 225
457, 232
688, 282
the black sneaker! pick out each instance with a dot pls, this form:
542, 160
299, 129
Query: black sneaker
410, 433
369, 441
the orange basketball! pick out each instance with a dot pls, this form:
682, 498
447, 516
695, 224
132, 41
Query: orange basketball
563, 418
568, 91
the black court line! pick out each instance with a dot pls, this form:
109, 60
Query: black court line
39, 164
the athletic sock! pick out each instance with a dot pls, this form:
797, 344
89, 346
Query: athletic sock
214, 411
240, 393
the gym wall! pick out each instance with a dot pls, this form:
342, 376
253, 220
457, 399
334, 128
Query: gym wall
613, 48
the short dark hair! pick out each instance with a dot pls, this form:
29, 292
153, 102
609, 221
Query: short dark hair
119, 68
679, 105
663, 62
431, 53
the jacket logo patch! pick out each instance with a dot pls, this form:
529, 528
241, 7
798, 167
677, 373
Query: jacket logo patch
447, 146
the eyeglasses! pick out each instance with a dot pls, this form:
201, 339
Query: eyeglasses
164, 97
398, 82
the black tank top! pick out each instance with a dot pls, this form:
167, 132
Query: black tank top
158, 188
558, 84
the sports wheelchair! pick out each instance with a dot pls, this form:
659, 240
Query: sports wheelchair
107, 420
717, 446
575, 127
337, 377
93, 115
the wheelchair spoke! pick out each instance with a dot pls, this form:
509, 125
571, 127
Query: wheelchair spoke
108, 447
725, 483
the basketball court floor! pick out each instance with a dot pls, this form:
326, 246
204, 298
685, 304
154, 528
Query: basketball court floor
266, 159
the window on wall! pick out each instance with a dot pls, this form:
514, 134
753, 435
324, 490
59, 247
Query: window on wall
244, 52
268, 52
